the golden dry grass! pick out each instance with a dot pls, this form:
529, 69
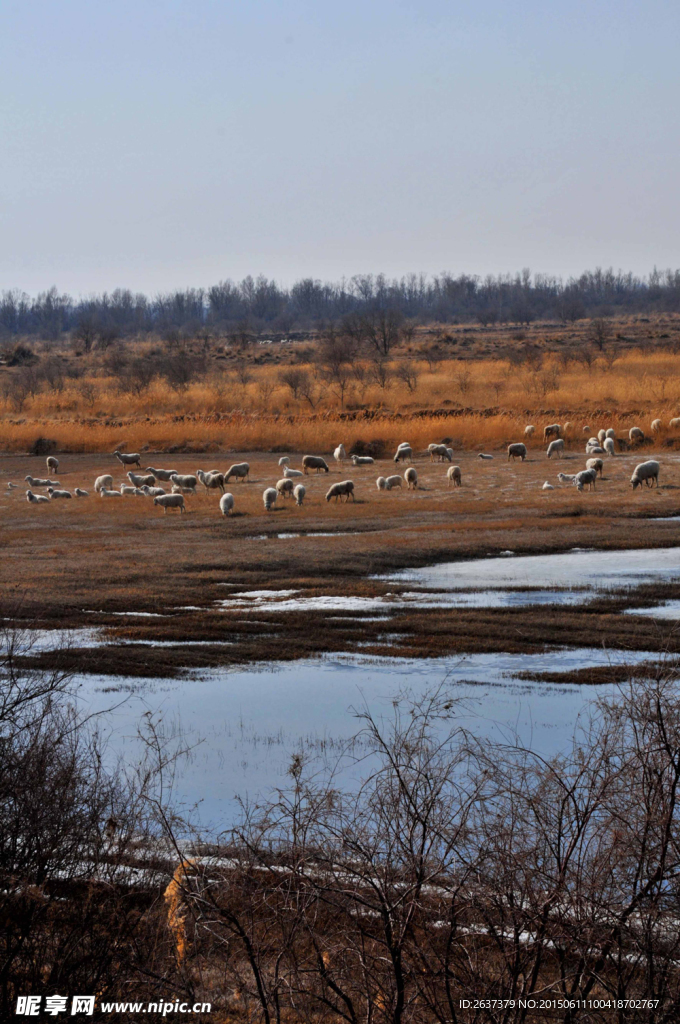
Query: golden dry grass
484, 403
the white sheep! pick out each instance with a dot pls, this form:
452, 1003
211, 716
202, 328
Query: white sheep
674, 423
80, 493
336, 491
127, 490
211, 481
517, 451
285, 487
290, 473
547, 487
647, 471
154, 492
529, 430
392, 481
482, 455
610, 432
656, 426
52, 464
36, 499
586, 428
552, 430
635, 435
104, 482
556, 448
314, 462
597, 465
33, 481
55, 492
566, 478
381, 483
440, 451
601, 434
104, 492
403, 452
161, 474
11, 486
567, 427
299, 493
284, 461
411, 478
167, 501
128, 460
609, 445
586, 476
226, 503
453, 475
239, 471
138, 481
362, 460
340, 454
269, 497
187, 482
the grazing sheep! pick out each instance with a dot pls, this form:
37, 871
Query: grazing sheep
517, 451
128, 460
392, 481
131, 492
440, 451
567, 427
103, 482
340, 454
285, 487
314, 462
597, 465
674, 423
153, 492
176, 489
566, 478
586, 476
226, 503
609, 445
269, 497
106, 493
450, 454
362, 460
593, 441
556, 448
483, 456
454, 477
594, 449
52, 464
601, 434
80, 493
336, 491
403, 452
381, 483
139, 481
656, 426
610, 432
586, 429
647, 471
36, 482
299, 493
55, 492
284, 461
167, 501
186, 482
211, 481
288, 472
404, 444
411, 478
552, 430
529, 430
239, 471
636, 435
161, 474
36, 499
547, 487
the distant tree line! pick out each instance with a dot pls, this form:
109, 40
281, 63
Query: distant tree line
256, 305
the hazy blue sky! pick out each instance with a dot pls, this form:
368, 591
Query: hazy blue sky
161, 143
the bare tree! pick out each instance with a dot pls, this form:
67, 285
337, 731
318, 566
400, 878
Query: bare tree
407, 373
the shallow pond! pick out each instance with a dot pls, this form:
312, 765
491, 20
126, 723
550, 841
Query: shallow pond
248, 723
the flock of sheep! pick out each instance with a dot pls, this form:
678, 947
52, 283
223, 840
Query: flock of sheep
146, 484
